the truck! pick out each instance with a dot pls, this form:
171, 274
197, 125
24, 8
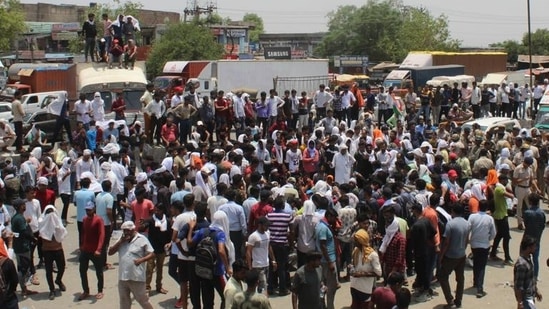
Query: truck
34, 78
109, 82
477, 64
402, 79
230, 75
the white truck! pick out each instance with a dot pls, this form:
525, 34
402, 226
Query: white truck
229, 75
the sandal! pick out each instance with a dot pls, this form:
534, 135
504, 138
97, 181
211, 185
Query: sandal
35, 280
99, 295
161, 291
83, 296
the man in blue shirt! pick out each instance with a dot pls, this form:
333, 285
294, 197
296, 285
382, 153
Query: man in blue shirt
103, 208
81, 198
237, 221
111, 131
326, 245
534, 224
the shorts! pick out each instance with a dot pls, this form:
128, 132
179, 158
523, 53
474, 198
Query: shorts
185, 270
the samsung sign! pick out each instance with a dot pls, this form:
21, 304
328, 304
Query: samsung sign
278, 52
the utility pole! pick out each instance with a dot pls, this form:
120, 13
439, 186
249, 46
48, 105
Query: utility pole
195, 10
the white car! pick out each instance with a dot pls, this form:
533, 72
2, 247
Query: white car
5, 111
490, 123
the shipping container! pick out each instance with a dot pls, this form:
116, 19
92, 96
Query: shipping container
477, 64
43, 79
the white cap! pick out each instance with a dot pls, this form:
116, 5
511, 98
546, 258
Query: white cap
42, 181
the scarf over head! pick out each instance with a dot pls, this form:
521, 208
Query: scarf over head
50, 225
363, 239
390, 232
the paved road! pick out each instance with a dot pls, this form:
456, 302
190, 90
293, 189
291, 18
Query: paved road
498, 284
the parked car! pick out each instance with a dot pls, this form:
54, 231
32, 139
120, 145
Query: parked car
5, 111
487, 124
43, 121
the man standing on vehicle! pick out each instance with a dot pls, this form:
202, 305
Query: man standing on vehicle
89, 30
18, 113
475, 100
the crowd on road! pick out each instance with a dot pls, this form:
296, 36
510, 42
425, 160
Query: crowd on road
310, 192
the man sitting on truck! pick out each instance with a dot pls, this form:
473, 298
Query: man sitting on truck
130, 53
116, 53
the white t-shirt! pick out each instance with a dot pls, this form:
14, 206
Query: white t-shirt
33, 212
178, 223
260, 250
64, 186
293, 158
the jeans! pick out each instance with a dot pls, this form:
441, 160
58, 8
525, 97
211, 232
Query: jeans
105, 247
345, 258
281, 253
535, 260
137, 288
23, 267
436, 111
59, 125
480, 259
66, 199
522, 110
108, 43
207, 288
320, 113
264, 123
85, 258
424, 269
18, 126
184, 130
330, 280
502, 232
156, 128
89, 48
476, 111
238, 240
58, 257
425, 111
448, 266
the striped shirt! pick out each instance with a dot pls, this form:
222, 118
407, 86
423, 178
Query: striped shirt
280, 222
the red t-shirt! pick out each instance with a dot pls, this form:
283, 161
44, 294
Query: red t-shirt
169, 132
45, 198
142, 210
116, 104
257, 211
222, 103
93, 234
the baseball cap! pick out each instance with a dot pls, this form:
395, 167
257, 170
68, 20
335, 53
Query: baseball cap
43, 181
452, 173
89, 205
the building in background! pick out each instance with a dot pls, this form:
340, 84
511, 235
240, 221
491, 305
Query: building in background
302, 44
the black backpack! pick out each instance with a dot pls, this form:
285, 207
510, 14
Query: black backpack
206, 254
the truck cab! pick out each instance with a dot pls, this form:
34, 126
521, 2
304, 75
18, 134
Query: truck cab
7, 94
177, 74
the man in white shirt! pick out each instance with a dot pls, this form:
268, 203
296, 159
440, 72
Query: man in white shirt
476, 96
293, 157
322, 99
84, 164
343, 163
295, 108
83, 110
348, 99
156, 109
177, 98
524, 94
258, 251
538, 93
274, 102
238, 109
482, 232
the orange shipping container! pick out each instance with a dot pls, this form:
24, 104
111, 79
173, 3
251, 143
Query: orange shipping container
45, 79
476, 64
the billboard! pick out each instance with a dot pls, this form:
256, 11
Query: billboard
278, 52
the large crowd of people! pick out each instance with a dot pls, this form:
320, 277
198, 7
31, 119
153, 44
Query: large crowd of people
279, 195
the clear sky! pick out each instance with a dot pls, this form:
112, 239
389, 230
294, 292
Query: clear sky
476, 23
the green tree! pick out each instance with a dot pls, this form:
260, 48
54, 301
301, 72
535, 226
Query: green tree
183, 41
512, 48
540, 42
258, 26
12, 22
384, 30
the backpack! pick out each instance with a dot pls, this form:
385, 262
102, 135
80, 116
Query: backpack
4, 285
206, 254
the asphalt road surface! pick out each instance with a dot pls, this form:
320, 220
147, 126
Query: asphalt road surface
498, 283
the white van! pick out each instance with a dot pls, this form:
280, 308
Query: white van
33, 102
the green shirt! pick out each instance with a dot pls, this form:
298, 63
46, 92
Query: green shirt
21, 244
500, 204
